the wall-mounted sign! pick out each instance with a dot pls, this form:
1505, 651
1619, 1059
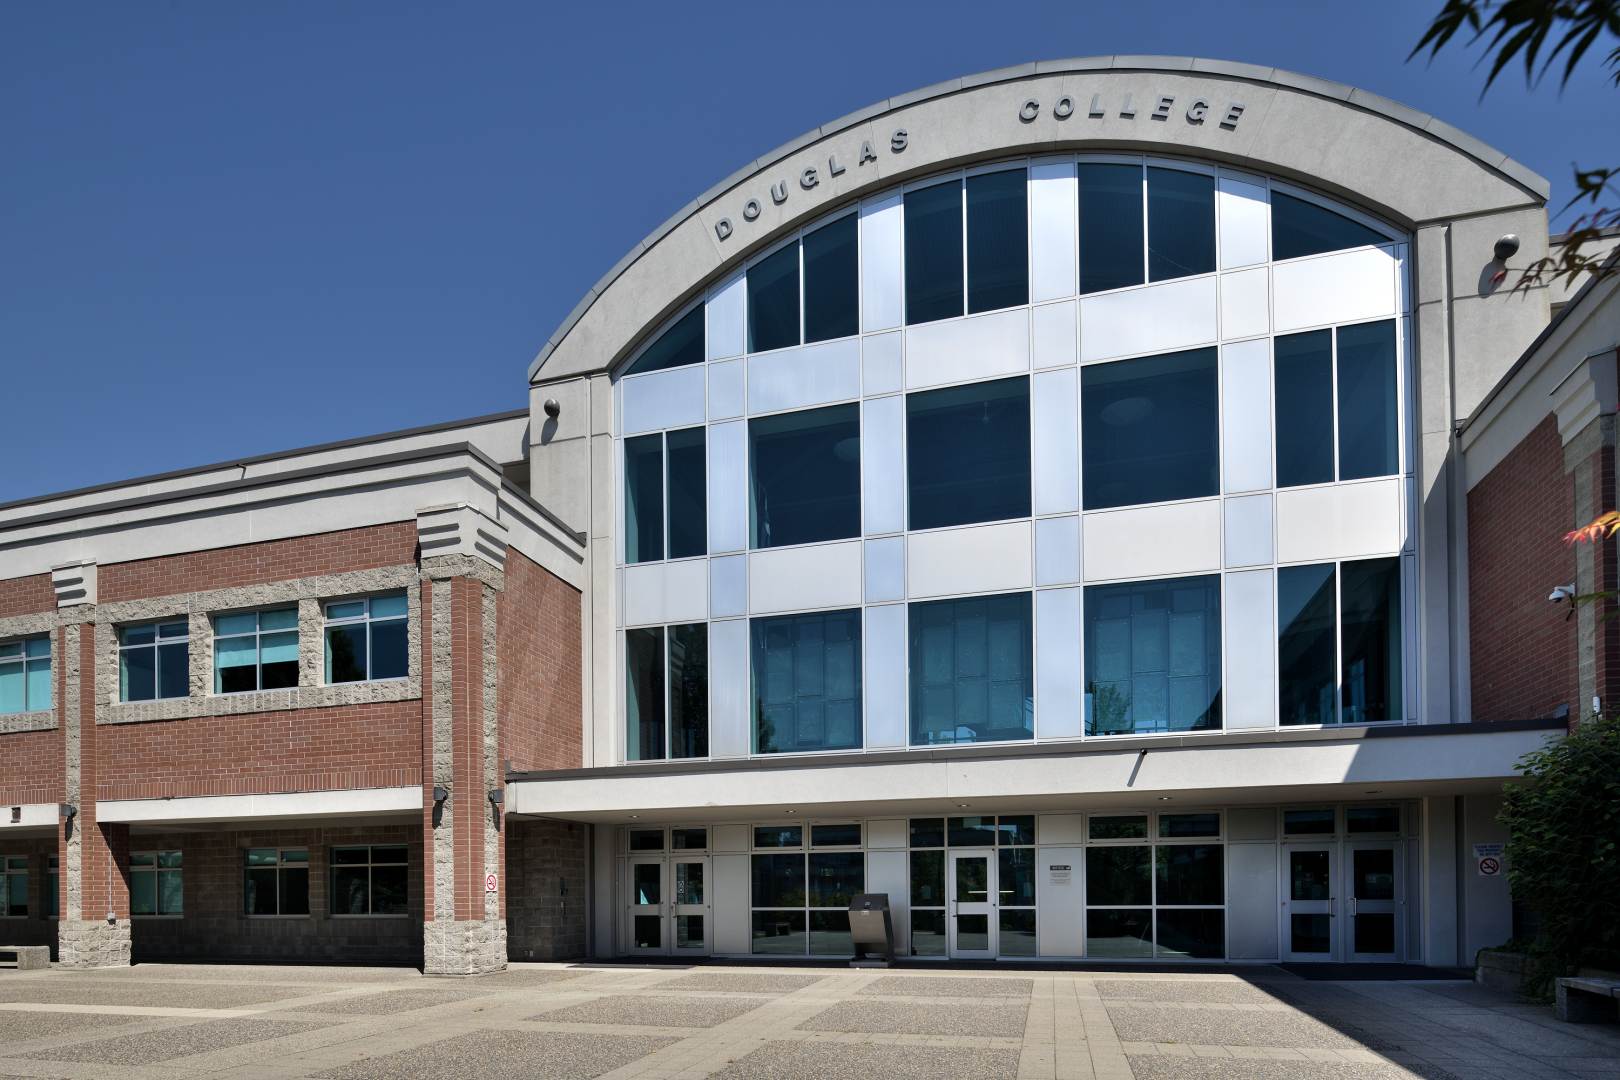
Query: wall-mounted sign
1488, 858
1059, 874
489, 882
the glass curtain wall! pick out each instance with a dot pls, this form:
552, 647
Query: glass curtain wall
800, 892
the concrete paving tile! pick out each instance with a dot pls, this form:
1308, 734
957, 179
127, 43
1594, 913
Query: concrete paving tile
1197, 1068
904, 1018
480, 1055
944, 986
519, 977
16, 1027
1221, 1027
67, 990
740, 982
395, 1001
144, 1048
805, 1060
663, 1012
1222, 991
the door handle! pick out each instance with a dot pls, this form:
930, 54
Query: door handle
1352, 905
1333, 907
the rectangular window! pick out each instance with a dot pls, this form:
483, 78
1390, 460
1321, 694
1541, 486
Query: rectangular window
1123, 827
1315, 822
154, 661
369, 880
665, 470
1372, 819
14, 886
678, 346
968, 456
25, 675
1339, 643
156, 885
832, 281
801, 901
646, 839
846, 835
276, 881
1181, 223
1150, 429
972, 670
805, 476
778, 836
1153, 656
773, 300
1110, 226
933, 230
997, 240
1301, 228
1336, 412
366, 639
689, 839
807, 682
1307, 646
53, 888
1162, 899
256, 650
667, 692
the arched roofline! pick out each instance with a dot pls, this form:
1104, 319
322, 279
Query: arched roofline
1534, 187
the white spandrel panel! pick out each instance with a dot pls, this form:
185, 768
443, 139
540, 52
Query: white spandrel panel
1057, 664
724, 332
1052, 335
728, 586
676, 592
1248, 530
1155, 318
883, 465
882, 262
883, 676
973, 558
977, 347
1343, 521
885, 569
1343, 287
1246, 415
728, 487
1245, 303
1053, 210
728, 689
1245, 222
802, 578
809, 375
664, 399
1055, 439
1057, 551
732, 930
1153, 541
1250, 693
882, 361
726, 390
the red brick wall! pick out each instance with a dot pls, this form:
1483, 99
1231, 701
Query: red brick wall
26, 596
1522, 649
540, 689
30, 767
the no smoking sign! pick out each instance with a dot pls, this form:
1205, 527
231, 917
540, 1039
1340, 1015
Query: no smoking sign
489, 882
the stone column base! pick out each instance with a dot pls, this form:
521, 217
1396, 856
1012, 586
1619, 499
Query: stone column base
92, 944
453, 947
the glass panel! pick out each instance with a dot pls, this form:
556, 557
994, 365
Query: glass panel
1367, 419
1310, 933
836, 877
1181, 223
689, 839
1115, 933
13, 689
295, 855
973, 880
997, 240
805, 476
1150, 429
689, 691
1178, 825
1017, 933
39, 685
260, 857
171, 892
236, 624
287, 618
779, 933
1016, 828
138, 635
688, 883
278, 660
1153, 656
807, 682
678, 346
294, 883
53, 897
689, 931
928, 832
347, 609
1191, 874
646, 839
648, 930
933, 231
1110, 226
1372, 819
646, 883
973, 932
37, 647
773, 301
1372, 874
831, 274
688, 496
174, 670
346, 653
829, 933
1306, 651
351, 856
1133, 827
973, 831
1119, 875
1197, 934
1371, 641
927, 933
1304, 228
972, 670
1015, 878
388, 855
644, 694
835, 835
260, 895
643, 498
1375, 932
778, 880
927, 877
390, 606
137, 674
968, 456
1304, 407
350, 886
143, 893
236, 665
389, 650
778, 835
11, 650
1308, 875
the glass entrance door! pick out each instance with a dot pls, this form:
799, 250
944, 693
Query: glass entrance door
689, 906
646, 916
973, 905
1310, 902
1373, 902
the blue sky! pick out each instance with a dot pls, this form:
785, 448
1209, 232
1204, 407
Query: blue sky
228, 229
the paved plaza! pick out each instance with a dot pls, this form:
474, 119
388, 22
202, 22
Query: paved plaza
774, 1023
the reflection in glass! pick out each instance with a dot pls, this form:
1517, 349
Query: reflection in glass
678, 346
1015, 829
927, 933
831, 276
1181, 223
973, 880
1370, 639
927, 878
1367, 420
644, 694
688, 883
1373, 874
972, 831
1190, 874
805, 470
1153, 656
779, 933
1119, 875
1372, 819
643, 498
997, 240
1314, 822
933, 231
1015, 876
647, 883
1180, 825
807, 682
1129, 827
829, 933
689, 931
968, 456
688, 494
1310, 934
1017, 937
1306, 649
842, 835
972, 670
773, 300
1304, 228
927, 832
778, 881
836, 877
1303, 366
1198, 933
1114, 933
973, 933
1150, 429
648, 930
689, 691
1308, 875
1110, 226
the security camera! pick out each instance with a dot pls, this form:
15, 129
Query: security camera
1562, 593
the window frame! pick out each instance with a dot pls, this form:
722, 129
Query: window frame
1217, 702
805, 850
367, 620
158, 642
371, 863
53, 887
662, 435
26, 662
1334, 434
1343, 209
1399, 565
666, 672
9, 873
754, 521
258, 633
281, 867
757, 706
1153, 841
156, 869
976, 386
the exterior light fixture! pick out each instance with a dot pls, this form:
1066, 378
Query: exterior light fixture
552, 407
67, 811
1164, 798
440, 794
497, 796
790, 811
1506, 247
635, 817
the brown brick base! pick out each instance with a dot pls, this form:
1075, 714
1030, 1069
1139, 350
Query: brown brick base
547, 868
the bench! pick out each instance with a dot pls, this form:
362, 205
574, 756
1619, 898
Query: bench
25, 957
1588, 998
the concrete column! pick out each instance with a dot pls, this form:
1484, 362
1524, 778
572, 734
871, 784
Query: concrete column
1439, 892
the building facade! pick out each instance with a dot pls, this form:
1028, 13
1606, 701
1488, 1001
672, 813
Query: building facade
1042, 498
